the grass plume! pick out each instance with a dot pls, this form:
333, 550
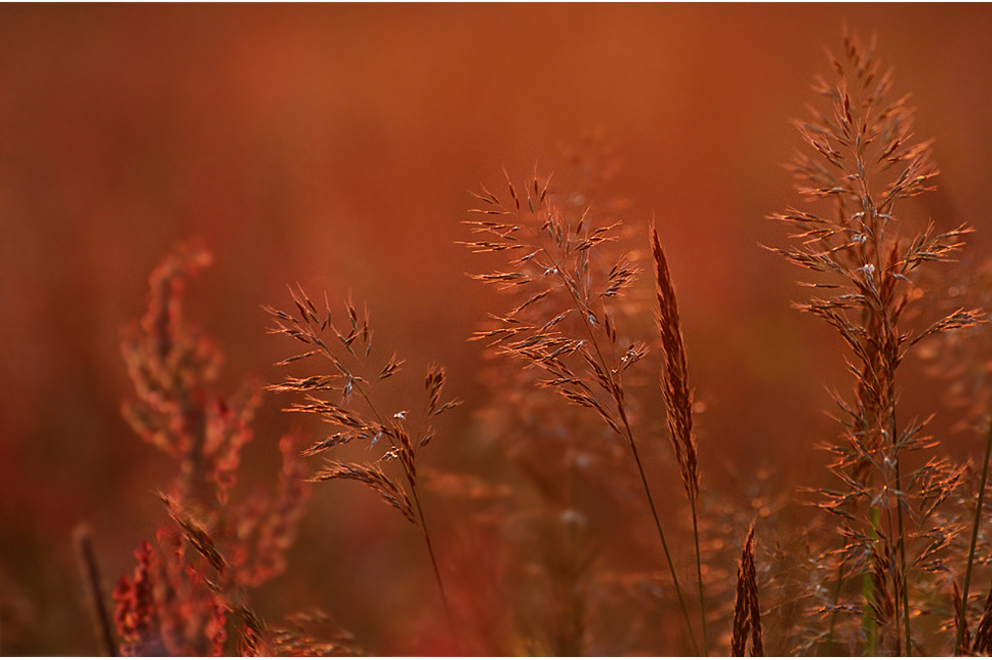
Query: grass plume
864, 163
355, 415
678, 403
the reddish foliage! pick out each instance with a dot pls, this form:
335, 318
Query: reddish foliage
169, 606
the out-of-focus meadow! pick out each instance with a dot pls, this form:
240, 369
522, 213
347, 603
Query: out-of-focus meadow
334, 146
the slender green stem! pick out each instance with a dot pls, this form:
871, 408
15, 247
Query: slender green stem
974, 541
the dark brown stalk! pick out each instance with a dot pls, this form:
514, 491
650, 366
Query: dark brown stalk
616, 393
742, 624
960, 621
415, 515
963, 612
94, 589
902, 576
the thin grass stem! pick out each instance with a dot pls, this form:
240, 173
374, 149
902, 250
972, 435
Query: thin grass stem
869, 627
637, 459
423, 521
833, 615
430, 551
904, 577
974, 541
661, 533
699, 577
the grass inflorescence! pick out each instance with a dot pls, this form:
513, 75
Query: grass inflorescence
887, 561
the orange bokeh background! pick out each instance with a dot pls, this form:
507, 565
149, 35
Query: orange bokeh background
334, 145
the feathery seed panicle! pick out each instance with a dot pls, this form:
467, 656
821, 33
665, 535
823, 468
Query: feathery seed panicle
567, 466
356, 415
867, 259
560, 325
375, 479
565, 325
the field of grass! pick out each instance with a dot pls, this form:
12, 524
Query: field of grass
495, 330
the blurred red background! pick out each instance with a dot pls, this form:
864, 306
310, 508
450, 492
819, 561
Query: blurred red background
334, 146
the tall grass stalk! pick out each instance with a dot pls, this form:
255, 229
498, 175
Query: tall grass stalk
563, 274
865, 163
411, 481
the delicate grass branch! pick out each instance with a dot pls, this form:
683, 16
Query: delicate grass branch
309, 327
